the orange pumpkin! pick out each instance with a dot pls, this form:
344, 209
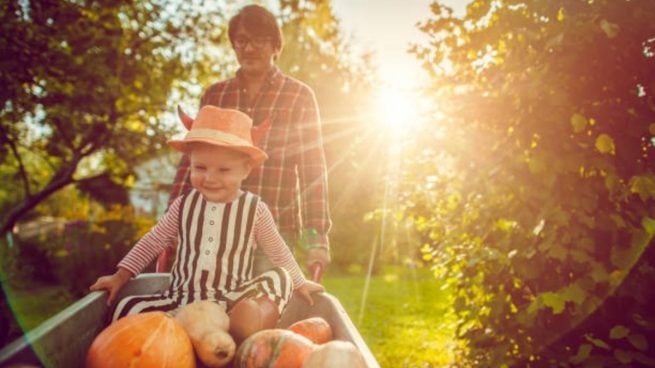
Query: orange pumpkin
152, 339
273, 348
316, 329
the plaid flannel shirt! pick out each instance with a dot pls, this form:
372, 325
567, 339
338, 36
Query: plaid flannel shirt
293, 181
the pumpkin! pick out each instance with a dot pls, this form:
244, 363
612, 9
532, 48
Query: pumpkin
273, 348
249, 315
316, 329
335, 353
151, 339
207, 324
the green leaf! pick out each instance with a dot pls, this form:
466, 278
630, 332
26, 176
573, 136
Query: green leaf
554, 301
605, 144
578, 122
649, 225
560, 14
638, 341
597, 342
574, 293
643, 186
583, 353
619, 332
505, 224
622, 356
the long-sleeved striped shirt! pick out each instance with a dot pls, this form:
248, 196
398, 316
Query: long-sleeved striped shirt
213, 224
293, 181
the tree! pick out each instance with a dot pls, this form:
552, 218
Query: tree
85, 89
534, 196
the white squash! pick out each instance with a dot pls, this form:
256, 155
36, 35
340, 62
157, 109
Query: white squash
335, 353
207, 325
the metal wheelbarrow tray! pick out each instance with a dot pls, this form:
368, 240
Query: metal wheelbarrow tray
63, 340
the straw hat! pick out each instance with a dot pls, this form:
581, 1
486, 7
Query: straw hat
222, 127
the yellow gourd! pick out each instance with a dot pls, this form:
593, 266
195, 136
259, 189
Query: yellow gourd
207, 324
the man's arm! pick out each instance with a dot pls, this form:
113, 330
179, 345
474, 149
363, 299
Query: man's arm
312, 170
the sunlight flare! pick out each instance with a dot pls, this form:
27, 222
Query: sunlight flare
401, 110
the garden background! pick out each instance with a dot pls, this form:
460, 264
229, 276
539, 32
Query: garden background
501, 215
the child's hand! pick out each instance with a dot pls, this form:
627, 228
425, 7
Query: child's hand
307, 289
112, 283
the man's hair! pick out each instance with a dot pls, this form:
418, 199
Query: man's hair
258, 21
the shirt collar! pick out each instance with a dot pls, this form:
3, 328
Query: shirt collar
273, 77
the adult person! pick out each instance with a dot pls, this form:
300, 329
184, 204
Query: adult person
293, 181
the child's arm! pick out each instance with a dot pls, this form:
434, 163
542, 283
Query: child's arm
112, 283
267, 236
144, 252
162, 236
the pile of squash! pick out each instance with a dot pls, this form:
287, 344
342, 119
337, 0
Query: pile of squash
198, 333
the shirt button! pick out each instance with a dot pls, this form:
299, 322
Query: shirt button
211, 239
207, 252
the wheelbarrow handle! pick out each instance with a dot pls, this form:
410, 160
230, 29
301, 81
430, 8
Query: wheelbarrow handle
317, 271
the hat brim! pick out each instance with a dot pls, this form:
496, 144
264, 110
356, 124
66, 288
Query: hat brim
257, 155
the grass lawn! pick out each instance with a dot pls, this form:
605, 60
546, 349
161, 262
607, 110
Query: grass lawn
33, 305
405, 318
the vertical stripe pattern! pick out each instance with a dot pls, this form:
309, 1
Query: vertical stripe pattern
214, 259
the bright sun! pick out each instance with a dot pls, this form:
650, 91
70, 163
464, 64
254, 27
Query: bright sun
398, 109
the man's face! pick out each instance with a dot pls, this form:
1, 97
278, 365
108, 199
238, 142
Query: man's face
256, 54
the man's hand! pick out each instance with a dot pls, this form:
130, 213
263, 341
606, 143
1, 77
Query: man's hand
317, 257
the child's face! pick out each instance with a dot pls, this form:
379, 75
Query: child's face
217, 172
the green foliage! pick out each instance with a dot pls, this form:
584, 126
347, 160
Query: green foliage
85, 89
533, 195
74, 253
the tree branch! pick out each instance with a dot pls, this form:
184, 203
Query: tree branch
21, 167
58, 181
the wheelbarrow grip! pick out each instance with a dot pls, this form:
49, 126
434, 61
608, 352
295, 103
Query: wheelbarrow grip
317, 271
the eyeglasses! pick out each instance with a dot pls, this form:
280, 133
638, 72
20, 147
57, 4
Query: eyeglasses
257, 42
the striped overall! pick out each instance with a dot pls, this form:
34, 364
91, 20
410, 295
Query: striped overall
214, 260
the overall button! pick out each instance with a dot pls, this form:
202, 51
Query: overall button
211, 239
207, 252
213, 208
211, 222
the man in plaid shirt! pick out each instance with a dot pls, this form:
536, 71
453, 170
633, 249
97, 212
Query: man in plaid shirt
293, 181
